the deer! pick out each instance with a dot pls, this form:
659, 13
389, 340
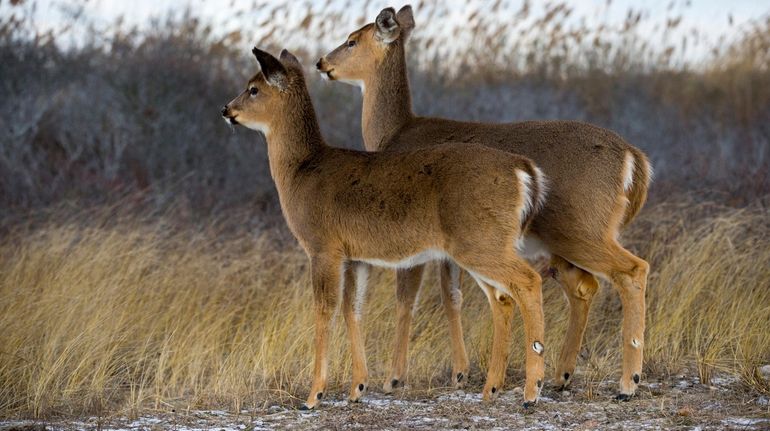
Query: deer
598, 183
350, 210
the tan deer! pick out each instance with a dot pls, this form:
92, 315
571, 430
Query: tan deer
347, 208
598, 183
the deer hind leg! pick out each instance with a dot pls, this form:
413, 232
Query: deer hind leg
502, 319
452, 298
356, 278
326, 288
407, 286
628, 275
579, 287
515, 277
630, 279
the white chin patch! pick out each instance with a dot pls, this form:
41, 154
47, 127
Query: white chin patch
259, 127
324, 76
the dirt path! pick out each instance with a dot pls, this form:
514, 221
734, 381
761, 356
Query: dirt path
675, 404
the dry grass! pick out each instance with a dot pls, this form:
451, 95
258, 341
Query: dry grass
103, 315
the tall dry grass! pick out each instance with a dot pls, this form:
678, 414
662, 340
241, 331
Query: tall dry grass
122, 313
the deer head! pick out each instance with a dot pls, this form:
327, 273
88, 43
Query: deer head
365, 48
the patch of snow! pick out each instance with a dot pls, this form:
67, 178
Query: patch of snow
724, 380
213, 412
764, 370
383, 402
144, 421
461, 396
745, 422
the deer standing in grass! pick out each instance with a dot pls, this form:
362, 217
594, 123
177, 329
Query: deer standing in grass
348, 208
597, 181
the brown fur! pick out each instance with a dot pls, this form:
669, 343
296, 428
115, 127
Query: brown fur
585, 164
463, 200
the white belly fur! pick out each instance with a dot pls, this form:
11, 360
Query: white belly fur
420, 258
531, 248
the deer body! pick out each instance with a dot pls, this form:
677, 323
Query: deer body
462, 202
338, 199
563, 150
597, 184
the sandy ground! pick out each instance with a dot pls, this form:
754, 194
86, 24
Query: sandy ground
677, 403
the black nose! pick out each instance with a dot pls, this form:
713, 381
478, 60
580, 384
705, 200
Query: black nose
224, 110
318, 65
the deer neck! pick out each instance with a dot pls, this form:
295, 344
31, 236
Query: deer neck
292, 140
387, 101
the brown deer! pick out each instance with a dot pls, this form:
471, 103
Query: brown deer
598, 183
464, 202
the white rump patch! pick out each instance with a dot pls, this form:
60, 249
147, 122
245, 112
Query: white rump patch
650, 171
526, 192
542, 187
421, 258
362, 281
628, 172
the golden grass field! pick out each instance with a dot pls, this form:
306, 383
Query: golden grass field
103, 313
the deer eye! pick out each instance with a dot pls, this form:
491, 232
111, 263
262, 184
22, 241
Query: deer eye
351, 43
253, 91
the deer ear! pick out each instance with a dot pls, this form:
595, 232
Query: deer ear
288, 58
387, 28
405, 19
272, 69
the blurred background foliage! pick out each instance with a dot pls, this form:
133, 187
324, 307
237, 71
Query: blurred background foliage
135, 110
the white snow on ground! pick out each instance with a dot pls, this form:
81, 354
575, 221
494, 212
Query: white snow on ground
679, 403
482, 419
747, 422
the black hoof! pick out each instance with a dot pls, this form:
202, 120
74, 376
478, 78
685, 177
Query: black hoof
304, 407
528, 405
623, 397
